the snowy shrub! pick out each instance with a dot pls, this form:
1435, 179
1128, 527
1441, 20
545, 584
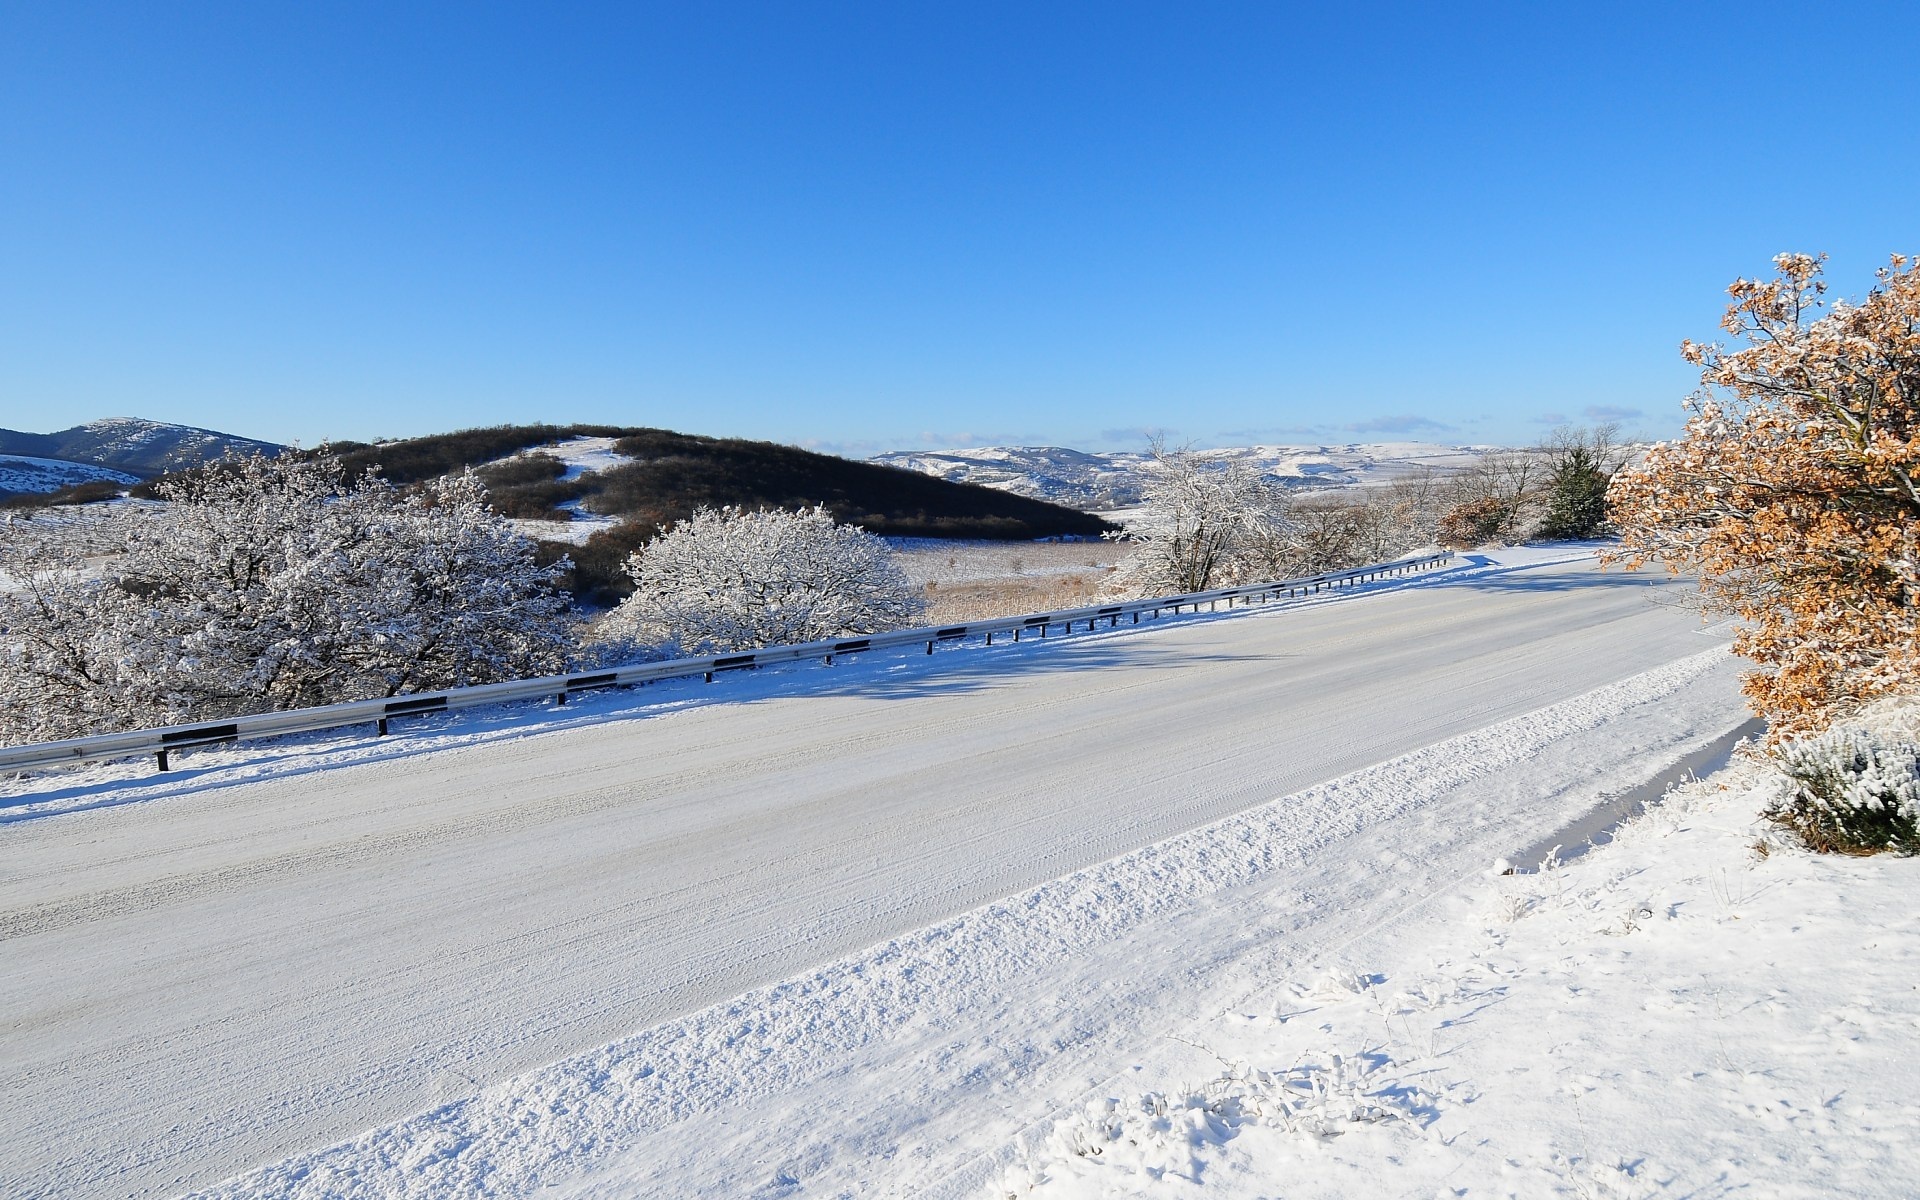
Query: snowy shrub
1475, 522
726, 580
1849, 792
265, 584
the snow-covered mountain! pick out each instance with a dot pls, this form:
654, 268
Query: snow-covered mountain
132, 445
1104, 482
21, 475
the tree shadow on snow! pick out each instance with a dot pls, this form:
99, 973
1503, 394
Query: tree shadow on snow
888, 675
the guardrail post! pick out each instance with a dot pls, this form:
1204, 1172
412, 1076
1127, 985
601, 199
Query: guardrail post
383, 727
560, 699
929, 647
161, 755
709, 676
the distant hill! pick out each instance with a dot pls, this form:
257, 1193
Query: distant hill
657, 476
1105, 482
131, 445
630, 482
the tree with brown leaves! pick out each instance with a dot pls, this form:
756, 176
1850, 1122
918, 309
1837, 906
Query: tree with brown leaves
1793, 490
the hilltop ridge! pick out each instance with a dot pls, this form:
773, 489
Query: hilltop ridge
132, 445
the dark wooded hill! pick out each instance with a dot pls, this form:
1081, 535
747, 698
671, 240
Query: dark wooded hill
672, 474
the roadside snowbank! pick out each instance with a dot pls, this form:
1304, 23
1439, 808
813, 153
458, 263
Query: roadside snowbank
1695, 1009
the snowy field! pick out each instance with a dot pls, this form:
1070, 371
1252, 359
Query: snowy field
19, 473
857, 930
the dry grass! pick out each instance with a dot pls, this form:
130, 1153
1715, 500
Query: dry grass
979, 600
972, 581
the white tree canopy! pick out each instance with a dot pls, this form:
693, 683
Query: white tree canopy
726, 579
269, 583
1205, 523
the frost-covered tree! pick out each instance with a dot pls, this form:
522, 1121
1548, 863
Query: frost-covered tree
271, 583
726, 579
1204, 523
62, 672
1793, 492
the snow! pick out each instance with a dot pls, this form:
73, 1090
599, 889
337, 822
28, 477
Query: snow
21, 473
856, 926
574, 532
583, 456
1697, 1008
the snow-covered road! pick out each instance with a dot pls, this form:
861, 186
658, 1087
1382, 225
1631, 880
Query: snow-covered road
231, 971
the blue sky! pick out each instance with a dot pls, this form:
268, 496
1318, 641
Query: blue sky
900, 225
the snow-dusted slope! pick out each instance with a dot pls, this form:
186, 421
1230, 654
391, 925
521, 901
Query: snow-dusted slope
582, 456
208, 971
21, 474
1101, 482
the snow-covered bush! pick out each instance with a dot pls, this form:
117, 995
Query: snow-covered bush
1475, 522
1850, 792
264, 584
726, 579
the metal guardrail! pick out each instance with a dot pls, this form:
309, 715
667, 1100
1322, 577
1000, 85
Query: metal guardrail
161, 743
